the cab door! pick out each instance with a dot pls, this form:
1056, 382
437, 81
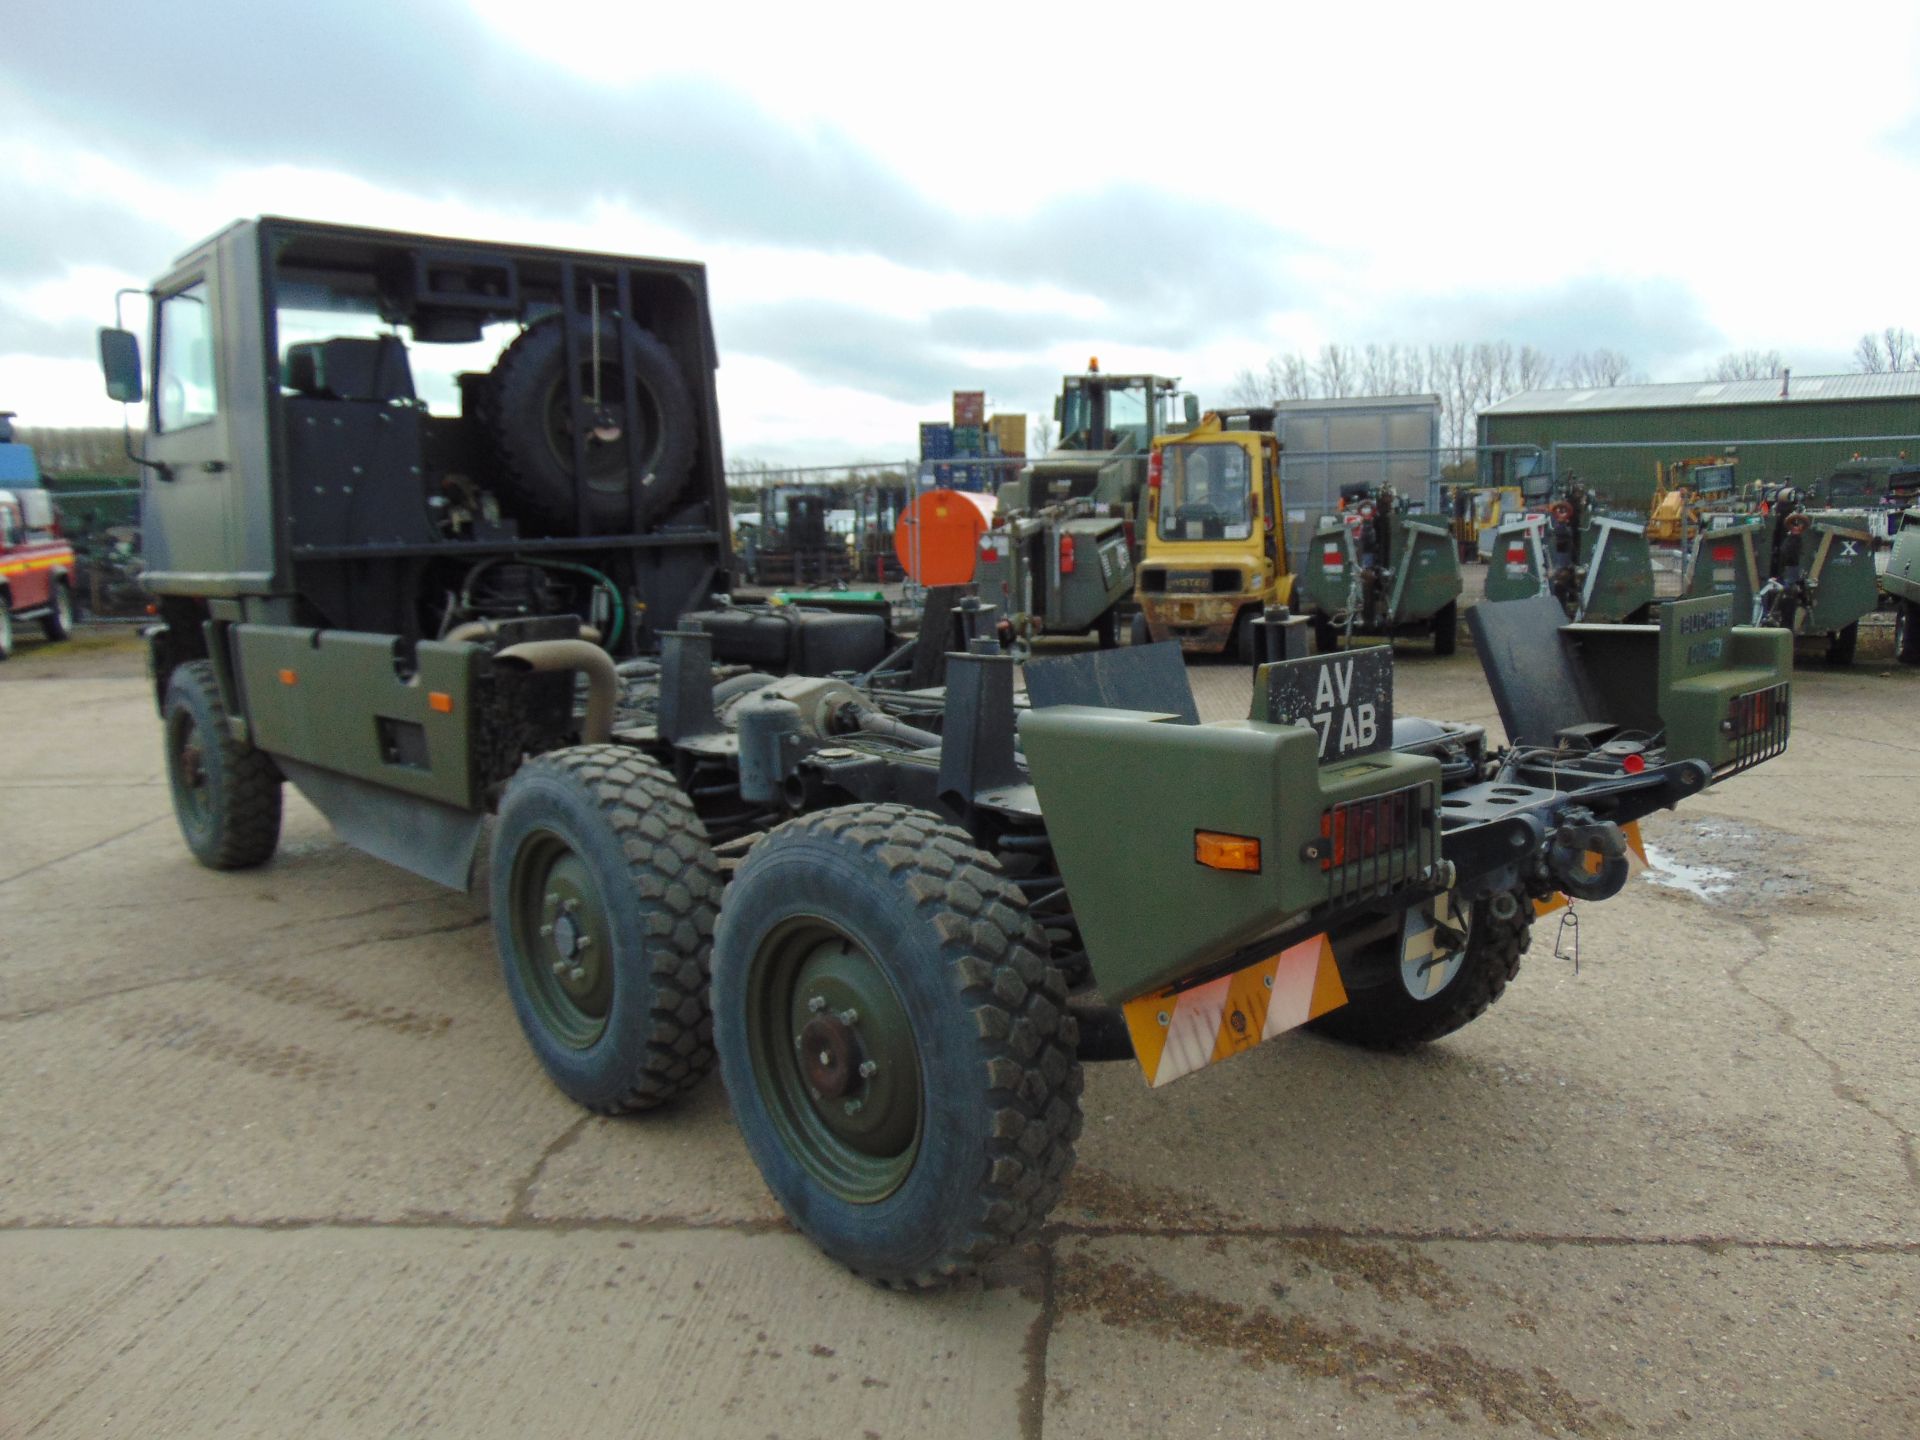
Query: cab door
187, 508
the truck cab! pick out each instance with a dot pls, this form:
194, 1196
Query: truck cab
1214, 552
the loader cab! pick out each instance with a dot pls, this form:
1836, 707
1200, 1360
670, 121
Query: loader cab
1121, 412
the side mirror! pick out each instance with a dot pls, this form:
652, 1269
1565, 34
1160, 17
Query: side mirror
120, 363
1190, 406
1057, 409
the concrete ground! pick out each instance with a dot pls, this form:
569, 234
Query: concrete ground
274, 1160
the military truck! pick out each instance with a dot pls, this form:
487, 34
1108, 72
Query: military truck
1214, 555
36, 561
1563, 544
1061, 554
896, 919
1375, 568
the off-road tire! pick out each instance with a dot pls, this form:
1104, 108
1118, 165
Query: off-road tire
1245, 640
1000, 1080
1326, 639
1842, 644
658, 882
1388, 1018
6, 628
1446, 629
57, 623
230, 815
1138, 631
537, 466
1906, 632
1106, 630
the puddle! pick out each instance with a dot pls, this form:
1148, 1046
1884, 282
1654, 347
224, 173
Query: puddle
1739, 865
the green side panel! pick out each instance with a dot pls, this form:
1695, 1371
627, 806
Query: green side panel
1844, 583
1101, 577
347, 709
1727, 562
1619, 576
1124, 793
1426, 569
1706, 663
1513, 570
1903, 565
1325, 580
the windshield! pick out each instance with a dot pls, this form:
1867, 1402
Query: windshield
1127, 420
1206, 493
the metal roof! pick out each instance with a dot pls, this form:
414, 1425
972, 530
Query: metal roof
1899, 384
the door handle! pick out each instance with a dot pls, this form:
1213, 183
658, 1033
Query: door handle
213, 467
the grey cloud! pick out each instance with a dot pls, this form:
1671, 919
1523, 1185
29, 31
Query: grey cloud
65, 339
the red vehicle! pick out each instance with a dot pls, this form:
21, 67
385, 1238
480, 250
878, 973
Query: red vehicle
36, 567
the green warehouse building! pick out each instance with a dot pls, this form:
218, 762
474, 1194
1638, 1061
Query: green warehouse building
1791, 427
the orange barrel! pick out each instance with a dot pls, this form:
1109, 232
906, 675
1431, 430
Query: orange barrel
939, 535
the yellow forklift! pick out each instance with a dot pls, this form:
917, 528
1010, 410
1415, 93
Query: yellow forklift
1213, 554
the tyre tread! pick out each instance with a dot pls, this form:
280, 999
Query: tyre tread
249, 830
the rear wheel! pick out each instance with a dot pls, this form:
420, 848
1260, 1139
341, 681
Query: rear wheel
57, 623
226, 795
1326, 639
896, 1047
1446, 629
604, 890
6, 628
1906, 632
1246, 639
1842, 644
1390, 1017
1106, 630
1139, 632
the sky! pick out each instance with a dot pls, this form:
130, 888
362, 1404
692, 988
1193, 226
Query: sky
896, 201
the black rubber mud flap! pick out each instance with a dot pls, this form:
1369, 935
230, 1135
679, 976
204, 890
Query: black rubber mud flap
1536, 684
1137, 677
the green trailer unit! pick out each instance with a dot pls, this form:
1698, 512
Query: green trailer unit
1062, 571
1810, 572
1901, 582
1380, 570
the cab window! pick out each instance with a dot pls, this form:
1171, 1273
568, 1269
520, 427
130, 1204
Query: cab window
183, 368
9, 528
1206, 493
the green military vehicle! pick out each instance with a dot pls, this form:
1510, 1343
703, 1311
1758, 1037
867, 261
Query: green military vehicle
1901, 582
1375, 568
1808, 571
1060, 556
930, 909
1598, 566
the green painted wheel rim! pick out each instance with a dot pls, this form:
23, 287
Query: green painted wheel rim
834, 1055
187, 770
562, 940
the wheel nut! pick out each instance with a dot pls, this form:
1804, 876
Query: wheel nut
852, 1107
816, 1004
585, 942
546, 932
868, 1069
849, 1016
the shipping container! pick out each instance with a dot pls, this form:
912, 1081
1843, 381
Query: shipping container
936, 440
970, 408
1011, 432
966, 439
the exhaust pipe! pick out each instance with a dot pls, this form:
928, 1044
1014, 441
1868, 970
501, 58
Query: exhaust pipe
603, 683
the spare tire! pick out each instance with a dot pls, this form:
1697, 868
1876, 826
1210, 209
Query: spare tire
525, 414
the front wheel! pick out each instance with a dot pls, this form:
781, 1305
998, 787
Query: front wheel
226, 794
1412, 1009
604, 890
1106, 630
57, 623
6, 629
1842, 644
896, 1047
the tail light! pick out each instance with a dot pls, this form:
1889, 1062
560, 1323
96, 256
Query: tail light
1066, 554
1362, 830
988, 553
1156, 468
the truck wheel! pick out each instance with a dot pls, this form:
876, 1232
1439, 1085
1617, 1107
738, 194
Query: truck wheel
1138, 631
1245, 642
226, 795
604, 891
6, 628
1842, 643
1446, 629
896, 1047
1388, 1017
1106, 630
526, 415
57, 623
1326, 639
1906, 632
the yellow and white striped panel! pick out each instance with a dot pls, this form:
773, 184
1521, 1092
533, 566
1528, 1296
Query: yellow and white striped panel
1177, 1033
1636, 862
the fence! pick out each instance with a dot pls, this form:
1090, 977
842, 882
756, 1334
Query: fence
103, 525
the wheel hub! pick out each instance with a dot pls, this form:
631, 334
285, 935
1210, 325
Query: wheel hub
562, 940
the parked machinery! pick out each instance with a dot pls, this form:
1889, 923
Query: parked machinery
798, 542
36, 561
1375, 568
1901, 579
1596, 565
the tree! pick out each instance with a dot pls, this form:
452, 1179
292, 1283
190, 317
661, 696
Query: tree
1336, 371
1040, 434
1599, 369
1894, 348
1748, 365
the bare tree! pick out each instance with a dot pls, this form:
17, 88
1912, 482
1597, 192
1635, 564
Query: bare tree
1336, 371
1599, 369
1894, 348
1040, 434
1748, 365
1251, 387
1533, 370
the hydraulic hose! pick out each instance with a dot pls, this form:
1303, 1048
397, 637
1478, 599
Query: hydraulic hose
603, 684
